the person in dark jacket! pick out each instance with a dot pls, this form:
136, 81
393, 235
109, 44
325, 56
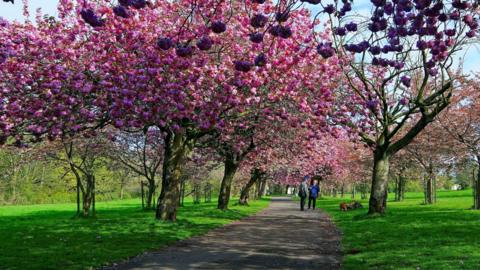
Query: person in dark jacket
314, 189
303, 192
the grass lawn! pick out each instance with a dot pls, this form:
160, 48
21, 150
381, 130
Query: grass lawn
48, 237
411, 235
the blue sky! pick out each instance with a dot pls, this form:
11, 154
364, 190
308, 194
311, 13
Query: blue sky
14, 12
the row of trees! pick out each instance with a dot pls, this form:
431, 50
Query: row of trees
255, 85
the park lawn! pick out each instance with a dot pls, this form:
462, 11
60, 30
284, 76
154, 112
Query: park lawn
49, 237
411, 235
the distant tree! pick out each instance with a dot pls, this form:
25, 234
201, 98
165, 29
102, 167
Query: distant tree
83, 157
18, 172
401, 166
434, 152
142, 153
462, 122
122, 174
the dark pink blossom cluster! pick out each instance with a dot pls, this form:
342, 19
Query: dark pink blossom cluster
434, 27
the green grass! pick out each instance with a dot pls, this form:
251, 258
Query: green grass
48, 237
411, 235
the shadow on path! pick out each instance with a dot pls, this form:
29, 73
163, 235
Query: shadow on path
279, 237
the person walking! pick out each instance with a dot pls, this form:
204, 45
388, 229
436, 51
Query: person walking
303, 192
313, 194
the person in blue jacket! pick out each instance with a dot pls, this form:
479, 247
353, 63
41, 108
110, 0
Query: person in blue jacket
314, 189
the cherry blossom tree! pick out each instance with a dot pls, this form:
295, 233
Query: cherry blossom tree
83, 156
433, 151
401, 56
132, 67
462, 122
268, 125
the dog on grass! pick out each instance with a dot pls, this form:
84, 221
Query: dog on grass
351, 206
343, 206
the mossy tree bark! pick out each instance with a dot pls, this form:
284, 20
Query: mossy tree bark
232, 160
231, 165
430, 186
378, 200
177, 147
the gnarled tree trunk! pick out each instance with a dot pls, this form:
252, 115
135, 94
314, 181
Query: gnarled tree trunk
231, 165
378, 193
246, 189
177, 147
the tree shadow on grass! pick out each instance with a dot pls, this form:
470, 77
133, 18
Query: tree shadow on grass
51, 239
410, 235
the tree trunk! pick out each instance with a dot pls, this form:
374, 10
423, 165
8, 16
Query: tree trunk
150, 192
246, 189
429, 188
342, 191
181, 199
397, 188
363, 195
78, 195
86, 203
262, 187
231, 166
177, 147
93, 195
477, 187
88, 196
353, 191
401, 186
143, 194
122, 187
378, 199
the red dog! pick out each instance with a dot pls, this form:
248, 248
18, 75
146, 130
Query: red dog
343, 206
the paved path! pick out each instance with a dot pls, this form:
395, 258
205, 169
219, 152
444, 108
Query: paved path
279, 237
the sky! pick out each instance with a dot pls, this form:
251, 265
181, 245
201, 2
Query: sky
8, 11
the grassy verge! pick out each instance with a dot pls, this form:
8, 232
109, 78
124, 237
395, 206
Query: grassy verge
47, 237
411, 235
